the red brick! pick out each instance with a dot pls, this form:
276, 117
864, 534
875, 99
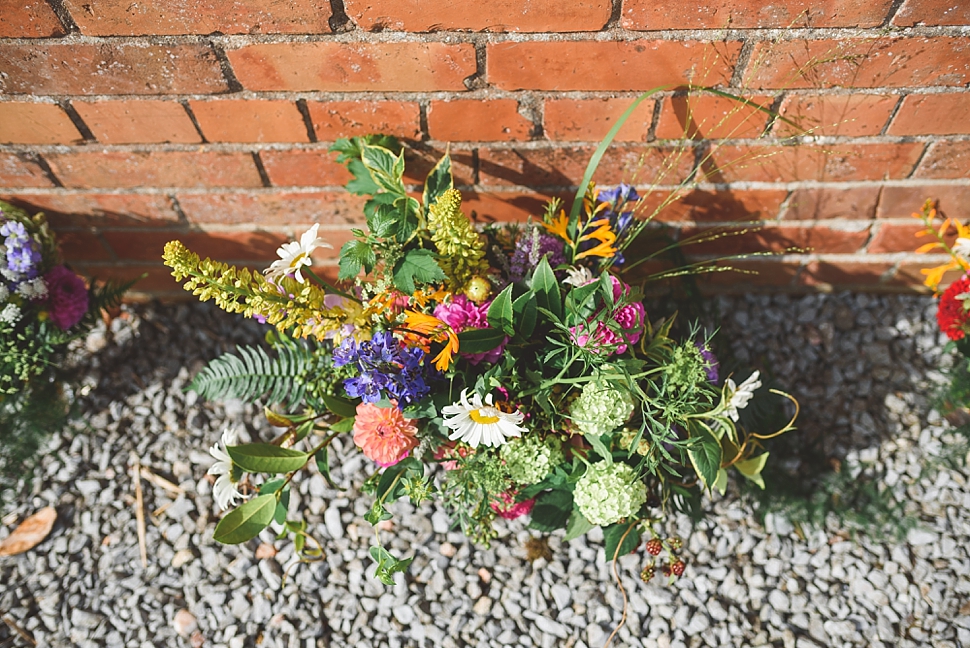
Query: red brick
81, 246
938, 114
304, 168
834, 163
855, 115
36, 123
159, 279
223, 246
18, 170
746, 14
420, 159
564, 166
162, 17
713, 205
762, 273
477, 120
143, 121
903, 202
488, 207
820, 203
860, 63
249, 120
101, 210
897, 237
608, 65
494, 16
819, 239
28, 19
335, 119
846, 273
709, 116
589, 120
278, 208
945, 160
117, 169
348, 67
109, 68
932, 12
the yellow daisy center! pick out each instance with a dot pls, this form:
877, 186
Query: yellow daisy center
484, 415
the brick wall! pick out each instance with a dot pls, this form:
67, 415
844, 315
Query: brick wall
209, 120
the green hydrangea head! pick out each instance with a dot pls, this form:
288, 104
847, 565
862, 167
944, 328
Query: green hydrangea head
528, 460
609, 492
601, 408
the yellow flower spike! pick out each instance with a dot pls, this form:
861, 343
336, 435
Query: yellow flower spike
434, 329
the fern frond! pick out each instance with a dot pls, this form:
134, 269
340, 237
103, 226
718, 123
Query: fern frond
252, 373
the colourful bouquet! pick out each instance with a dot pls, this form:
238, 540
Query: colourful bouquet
508, 370
43, 306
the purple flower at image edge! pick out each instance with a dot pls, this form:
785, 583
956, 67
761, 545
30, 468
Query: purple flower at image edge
711, 365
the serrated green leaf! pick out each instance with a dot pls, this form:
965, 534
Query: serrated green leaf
705, 456
385, 168
383, 221
480, 340
416, 266
362, 183
612, 535
355, 256
546, 288
266, 458
552, 510
577, 525
751, 468
500, 312
245, 522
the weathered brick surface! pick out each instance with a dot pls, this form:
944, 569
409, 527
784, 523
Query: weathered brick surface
101, 210
21, 171
581, 65
143, 121
335, 119
28, 19
36, 123
855, 115
249, 120
304, 168
860, 63
326, 208
819, 239
257, 245
494, 16
713, 205
589, 120
159, 278
118, 169
846, 274
354, 66
896, 237
163, 17
936, 114
82, 246
818, 203
902, 202
945, 159
740, 14
115, 68
932, 12
476, 120
709, 116
762, 273
488, 206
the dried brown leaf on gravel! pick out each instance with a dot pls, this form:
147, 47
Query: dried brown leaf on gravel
30, 533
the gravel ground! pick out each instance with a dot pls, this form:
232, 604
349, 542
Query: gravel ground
861, 365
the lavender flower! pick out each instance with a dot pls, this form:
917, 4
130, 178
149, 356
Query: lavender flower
23, 255
529, 250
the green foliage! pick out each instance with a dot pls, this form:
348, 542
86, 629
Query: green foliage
245, 522
552, 510
264, 457
253, 374
417, 266
623, 535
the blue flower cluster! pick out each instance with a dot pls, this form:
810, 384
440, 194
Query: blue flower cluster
386, 370
22, 255
619, 198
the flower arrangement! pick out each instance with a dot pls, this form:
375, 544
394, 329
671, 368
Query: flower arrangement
508, 370
43, 306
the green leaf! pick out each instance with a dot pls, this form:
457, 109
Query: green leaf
500, 312
282, 505
546, 288
304, 430
416, 266
439, 181
751, 468
601, 444
552, 510
344, 425
267, 458
377, 513
385, 168
323, 465
720, 484
355, 256
245, 522
271, 486
362, 183
705, 456
612, 535
343, 407
389, 488
384, 220
524, 309
577, 525
480, 340
388, 565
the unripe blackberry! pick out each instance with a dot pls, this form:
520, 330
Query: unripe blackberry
648, 573
675, 543
654, 547
678, 568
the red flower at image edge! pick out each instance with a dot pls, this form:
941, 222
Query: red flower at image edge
950, 314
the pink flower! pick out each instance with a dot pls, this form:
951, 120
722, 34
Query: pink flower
461, 314
509, 508
631, 319
67, 297
603, 339
383, 434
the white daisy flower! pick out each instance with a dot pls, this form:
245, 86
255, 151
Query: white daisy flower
294, 256
578, 276
225, 490
10, 314
477, 423
962, 248
739, 395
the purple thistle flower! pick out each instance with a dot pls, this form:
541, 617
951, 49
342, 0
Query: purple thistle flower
529, 250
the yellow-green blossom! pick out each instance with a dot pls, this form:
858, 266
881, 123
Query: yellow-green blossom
529, 459
609, 492
601, 408
461, 248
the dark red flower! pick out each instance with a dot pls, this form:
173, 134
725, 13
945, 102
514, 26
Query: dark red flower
951, 314
67, 297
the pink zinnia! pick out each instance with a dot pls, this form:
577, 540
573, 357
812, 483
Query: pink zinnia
67, 297
383, 434
509, 508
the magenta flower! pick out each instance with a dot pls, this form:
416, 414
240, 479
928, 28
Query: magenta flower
461, 314
67, 297
509, 509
